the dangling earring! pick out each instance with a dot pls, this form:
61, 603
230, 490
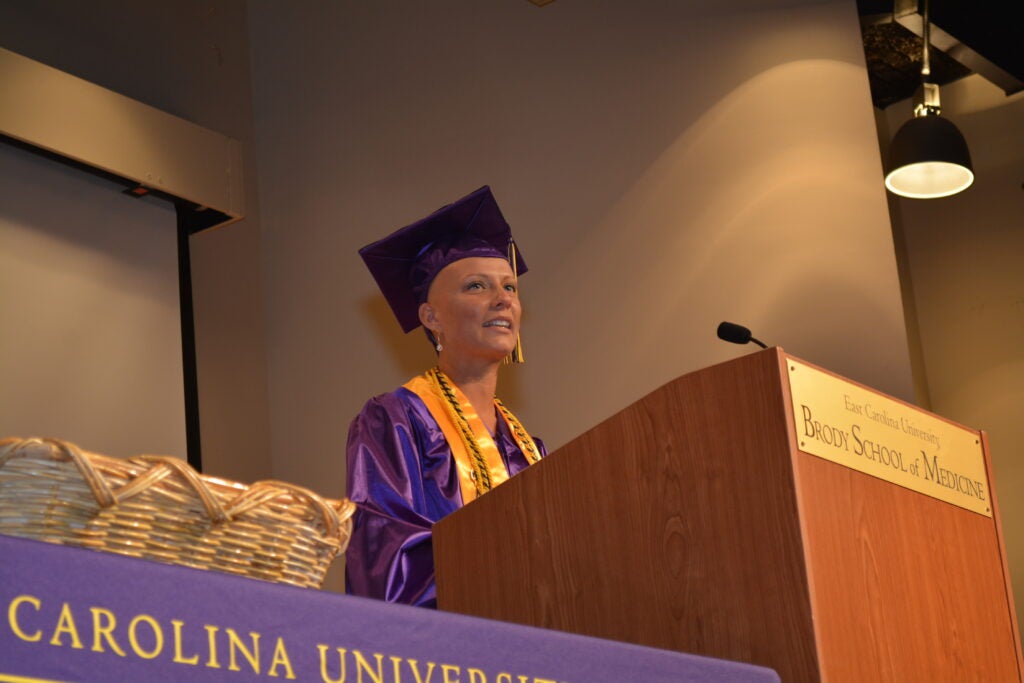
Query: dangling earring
438, 346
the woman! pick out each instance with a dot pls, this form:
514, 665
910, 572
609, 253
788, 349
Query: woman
443, 439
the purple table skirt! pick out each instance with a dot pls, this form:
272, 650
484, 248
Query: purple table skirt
76, 615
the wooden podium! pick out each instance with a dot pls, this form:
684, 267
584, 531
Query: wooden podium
693, 521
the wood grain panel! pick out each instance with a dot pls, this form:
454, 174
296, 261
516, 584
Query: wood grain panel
673, 524
904, 587
690, 521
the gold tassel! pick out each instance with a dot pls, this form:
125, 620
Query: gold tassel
517, 351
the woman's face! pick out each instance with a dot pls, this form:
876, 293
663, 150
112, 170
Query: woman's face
473, 308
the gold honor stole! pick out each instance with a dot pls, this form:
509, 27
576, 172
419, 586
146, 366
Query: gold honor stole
477, 458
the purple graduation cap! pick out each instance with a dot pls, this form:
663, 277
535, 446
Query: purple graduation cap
405, 262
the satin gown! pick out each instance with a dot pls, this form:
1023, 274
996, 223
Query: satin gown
403, 478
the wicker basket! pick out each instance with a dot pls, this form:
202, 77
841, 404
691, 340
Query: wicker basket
159, 508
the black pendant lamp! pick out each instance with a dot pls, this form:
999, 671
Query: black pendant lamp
928, 157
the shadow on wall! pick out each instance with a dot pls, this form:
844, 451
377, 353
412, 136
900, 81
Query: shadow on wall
782, 225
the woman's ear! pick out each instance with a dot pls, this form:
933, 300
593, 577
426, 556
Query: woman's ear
428, 317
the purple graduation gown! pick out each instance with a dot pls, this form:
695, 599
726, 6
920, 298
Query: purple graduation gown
403, 478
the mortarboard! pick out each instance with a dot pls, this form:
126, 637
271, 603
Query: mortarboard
405, 262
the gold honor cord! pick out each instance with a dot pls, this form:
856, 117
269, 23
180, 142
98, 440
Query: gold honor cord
477, 459
519, 433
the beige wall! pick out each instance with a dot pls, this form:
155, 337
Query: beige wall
91, 349
188, 58
664, 165
964, 258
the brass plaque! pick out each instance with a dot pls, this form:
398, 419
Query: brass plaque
840, 421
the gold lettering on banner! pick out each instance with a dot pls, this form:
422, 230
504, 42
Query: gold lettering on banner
363, 665
324, 676
235, 645
396, 671
211, 645
847, 424
149, 638
447, 669
414, 665
280, 658
103, 624
12, 618
158, 636
179, 657
66, 624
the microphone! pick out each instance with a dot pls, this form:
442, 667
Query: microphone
737, 334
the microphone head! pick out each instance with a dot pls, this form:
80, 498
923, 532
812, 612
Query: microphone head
731, 332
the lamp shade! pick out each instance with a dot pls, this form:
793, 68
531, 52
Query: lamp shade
928, 158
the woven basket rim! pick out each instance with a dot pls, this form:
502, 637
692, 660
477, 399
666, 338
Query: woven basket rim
96, 500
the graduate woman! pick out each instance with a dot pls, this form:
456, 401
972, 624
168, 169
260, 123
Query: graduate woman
442, 439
